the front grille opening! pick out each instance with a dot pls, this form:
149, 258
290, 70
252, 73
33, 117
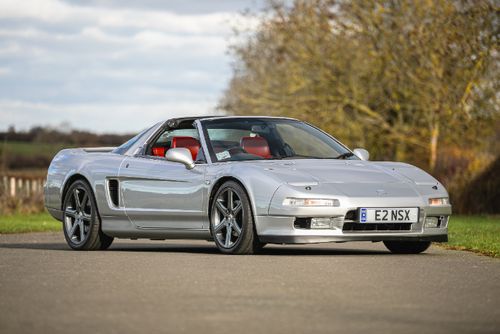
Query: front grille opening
359, 227
113, 192
442, 221
302, 223
352, 215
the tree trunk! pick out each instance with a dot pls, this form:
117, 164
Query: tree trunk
433, 146
400, 151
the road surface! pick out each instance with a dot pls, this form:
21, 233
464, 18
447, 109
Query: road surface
188, 287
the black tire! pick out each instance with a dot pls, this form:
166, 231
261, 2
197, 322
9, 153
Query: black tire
407, 247
83, 214
247, 241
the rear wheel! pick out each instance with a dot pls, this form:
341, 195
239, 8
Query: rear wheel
231, 221
81, 221
407, 247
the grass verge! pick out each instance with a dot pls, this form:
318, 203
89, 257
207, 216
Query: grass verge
480, 234
23, 223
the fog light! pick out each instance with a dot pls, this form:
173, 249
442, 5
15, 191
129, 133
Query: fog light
431, 222
327, 223
290, 201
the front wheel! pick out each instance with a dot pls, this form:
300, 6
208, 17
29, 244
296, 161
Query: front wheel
407, 247
81, 222
231, 221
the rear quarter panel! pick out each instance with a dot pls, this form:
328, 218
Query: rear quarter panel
94, 167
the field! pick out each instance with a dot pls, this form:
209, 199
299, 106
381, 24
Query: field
30, 148
480, 234
26, 157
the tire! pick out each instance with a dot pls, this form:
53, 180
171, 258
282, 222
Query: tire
407, 247
231, 221
81, 221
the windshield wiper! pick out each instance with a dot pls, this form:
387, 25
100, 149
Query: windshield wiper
297, 156
344, 155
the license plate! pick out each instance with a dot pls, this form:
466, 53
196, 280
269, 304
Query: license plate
388, 215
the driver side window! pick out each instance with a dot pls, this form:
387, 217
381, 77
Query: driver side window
178, 138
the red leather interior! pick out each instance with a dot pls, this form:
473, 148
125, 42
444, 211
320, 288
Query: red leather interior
159, 151
190, 143
256, 145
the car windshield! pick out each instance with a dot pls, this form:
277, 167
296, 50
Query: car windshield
236, 139
129, 143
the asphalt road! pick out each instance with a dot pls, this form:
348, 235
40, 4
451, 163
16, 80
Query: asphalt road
188, 287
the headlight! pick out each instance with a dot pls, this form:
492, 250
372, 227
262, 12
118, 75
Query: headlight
289, 201
439, 201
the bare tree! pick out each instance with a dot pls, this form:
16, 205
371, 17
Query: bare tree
397, 76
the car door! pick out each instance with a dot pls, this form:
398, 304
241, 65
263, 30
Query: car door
161, 194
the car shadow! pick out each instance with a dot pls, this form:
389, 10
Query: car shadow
41, 245
270, 250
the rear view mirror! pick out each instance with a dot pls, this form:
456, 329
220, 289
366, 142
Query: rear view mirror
181, 155
361, 153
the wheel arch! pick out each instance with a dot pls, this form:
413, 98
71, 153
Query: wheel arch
219, 183
69, 182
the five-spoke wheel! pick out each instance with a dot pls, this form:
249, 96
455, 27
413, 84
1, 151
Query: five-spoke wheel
82, 226
78, 216
231, 220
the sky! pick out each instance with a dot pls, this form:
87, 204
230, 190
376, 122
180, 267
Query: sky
114, 65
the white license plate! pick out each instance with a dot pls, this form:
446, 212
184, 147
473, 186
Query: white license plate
388, 215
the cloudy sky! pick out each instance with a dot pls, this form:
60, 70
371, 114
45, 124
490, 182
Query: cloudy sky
114, 65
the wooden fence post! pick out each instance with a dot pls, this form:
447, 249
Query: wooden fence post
17, 186
13, 186
27, 187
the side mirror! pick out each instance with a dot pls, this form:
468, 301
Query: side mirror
182, 155
361, 153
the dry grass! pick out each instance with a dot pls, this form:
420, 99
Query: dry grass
23, 204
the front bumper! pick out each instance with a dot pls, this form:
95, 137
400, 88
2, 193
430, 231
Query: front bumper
315, 239
281, 229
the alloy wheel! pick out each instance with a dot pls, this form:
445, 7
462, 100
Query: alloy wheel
228, 218
78, 216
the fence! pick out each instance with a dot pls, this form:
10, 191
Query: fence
16, 186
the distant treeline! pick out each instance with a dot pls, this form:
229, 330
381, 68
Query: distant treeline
72, 137
32, 150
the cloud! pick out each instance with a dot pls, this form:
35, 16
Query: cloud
54, 11
116, 118
90, 62
5, 71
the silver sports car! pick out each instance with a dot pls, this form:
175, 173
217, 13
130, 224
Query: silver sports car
242, 182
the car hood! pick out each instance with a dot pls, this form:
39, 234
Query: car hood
301, 172
352, 177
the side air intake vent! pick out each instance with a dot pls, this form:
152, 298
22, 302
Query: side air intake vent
113, 192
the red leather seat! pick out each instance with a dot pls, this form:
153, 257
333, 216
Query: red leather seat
190, 143
159, 151
256, 145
